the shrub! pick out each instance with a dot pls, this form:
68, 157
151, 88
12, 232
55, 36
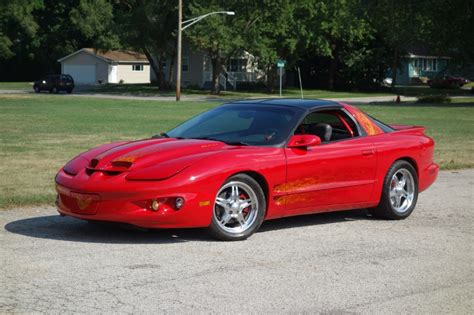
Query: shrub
433, 99
193, 87
250, 86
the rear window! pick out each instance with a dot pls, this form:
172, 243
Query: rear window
381, 125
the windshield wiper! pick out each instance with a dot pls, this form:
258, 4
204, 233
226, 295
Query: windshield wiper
226, 142
160, 135
236, 143
164, 135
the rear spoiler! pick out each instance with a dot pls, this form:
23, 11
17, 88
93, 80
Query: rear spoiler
408, 128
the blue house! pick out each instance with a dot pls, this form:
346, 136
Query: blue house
419, 66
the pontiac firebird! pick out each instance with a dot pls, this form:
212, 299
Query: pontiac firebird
234, 166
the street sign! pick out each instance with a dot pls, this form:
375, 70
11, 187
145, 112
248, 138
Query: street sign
280, 66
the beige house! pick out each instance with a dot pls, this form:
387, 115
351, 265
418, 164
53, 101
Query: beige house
197, 69
89, 66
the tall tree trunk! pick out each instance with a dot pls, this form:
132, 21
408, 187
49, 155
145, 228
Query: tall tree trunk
153, 65
394, 68
161, 78
216, 71
332, 67
171, 70
271, 77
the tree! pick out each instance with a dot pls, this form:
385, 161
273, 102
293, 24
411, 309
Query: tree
450, 30
335, 28
400, 25
272, 33
92, 22
150, 26
219, 36
17, 25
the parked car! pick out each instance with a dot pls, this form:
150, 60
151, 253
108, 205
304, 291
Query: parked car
233, 167
447, 82
55, 83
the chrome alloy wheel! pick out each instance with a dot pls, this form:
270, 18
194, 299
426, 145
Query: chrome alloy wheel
402, 190
235, 207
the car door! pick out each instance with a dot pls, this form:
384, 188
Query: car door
337, 174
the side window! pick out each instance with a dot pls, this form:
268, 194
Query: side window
329, 125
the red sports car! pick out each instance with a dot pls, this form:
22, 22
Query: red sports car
232, 167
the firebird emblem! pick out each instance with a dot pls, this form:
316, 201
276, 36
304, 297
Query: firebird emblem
83, 202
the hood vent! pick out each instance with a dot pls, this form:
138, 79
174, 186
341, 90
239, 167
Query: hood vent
94, 163
121, 164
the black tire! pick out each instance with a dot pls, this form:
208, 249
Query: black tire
254, 216
36, 89
69, 91
385, 209
54, 90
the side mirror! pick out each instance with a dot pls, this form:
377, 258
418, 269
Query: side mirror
304, 141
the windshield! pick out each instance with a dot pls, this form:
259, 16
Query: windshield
241, 124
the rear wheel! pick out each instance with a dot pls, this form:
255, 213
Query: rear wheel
37, 89
239, 209
69, 91
400, 192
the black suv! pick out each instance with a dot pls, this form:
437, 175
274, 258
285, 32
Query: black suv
55, 83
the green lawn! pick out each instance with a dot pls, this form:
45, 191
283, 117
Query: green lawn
39, 133
16, 85
150, 90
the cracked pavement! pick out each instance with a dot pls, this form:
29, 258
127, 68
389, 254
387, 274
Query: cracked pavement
343, 262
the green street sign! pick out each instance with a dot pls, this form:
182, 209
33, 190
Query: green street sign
281, 63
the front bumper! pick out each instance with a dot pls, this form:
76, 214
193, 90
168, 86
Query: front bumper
129, 202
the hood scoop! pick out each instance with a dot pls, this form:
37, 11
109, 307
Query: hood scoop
94, 163
114, 167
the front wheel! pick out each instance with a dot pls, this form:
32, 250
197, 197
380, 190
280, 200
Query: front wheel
400, 192
239, 209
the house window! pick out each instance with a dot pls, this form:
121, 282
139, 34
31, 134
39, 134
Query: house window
426, 64
430, 65
137, 67
185, 64
238, 65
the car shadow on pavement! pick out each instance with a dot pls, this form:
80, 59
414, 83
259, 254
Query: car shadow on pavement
314, 219
60, 228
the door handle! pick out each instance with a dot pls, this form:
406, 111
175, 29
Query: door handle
368, 152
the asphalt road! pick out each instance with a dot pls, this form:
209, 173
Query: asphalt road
327, 263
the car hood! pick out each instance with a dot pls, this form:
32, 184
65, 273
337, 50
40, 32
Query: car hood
171, 155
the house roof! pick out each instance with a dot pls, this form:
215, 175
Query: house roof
118, 56
423, 51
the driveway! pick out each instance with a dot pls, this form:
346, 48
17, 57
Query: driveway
206, 98
328, 263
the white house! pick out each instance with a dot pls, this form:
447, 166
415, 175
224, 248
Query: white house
197, 69
90, 66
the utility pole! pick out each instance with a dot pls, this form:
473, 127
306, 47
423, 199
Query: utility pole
182, 25
178, 62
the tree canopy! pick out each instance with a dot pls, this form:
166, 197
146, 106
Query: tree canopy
337, 43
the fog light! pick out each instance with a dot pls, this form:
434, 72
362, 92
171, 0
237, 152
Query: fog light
179, 203
155, 205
